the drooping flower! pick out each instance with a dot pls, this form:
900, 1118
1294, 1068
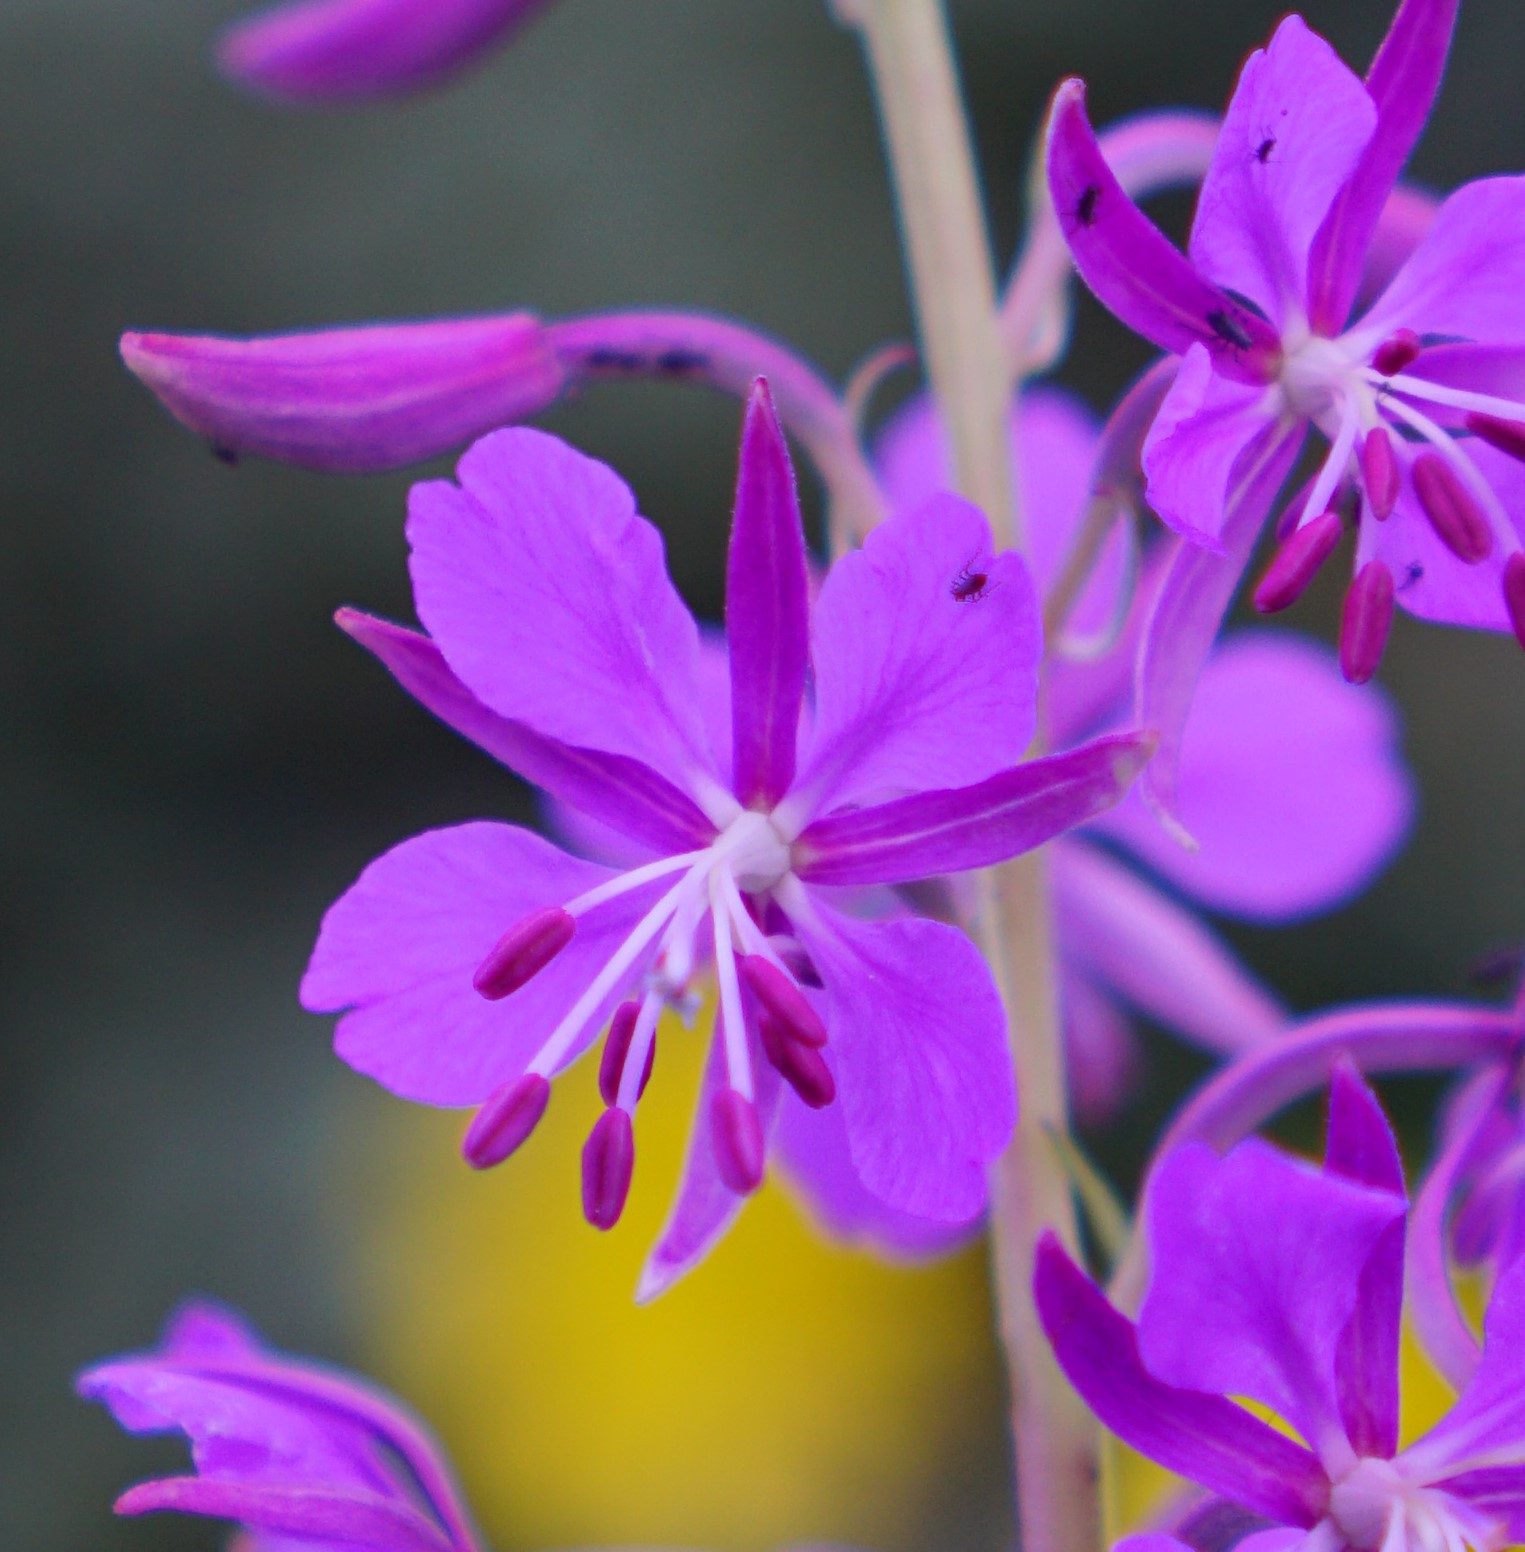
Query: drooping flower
1292, 782
474, 964
1421, 397
338, 51
1282, 1283
295, 1453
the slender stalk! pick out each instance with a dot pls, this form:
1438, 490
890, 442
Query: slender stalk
947, 249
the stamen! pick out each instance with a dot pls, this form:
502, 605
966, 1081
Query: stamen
782, 999
732, 1022
608, 1161
1327, 481
802, 1067
1295, 564
1514, 594
738, 1141
625, 882
635, 1072
1457, 519
1365, 621
505, 1120
523, 952
1292, 514
616, 1049
1508, 436
1379, 472
1462, 466
1397, 351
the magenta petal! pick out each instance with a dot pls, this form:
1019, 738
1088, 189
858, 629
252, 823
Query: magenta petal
1291, 783
1128, 937
944, 705
1191, 603
1256, 1262
1101, 1054
931, 833
918, 1049
397, 952
1131, 266
1294, 132
609, 790
331, 51
767, 610
549, 598
1204, 1438
377, 396
1402, 81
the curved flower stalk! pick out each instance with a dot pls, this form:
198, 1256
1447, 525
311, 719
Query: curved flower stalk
1283, 1283
472, 965
322, 52
1421, 397
294, 1453
1292, 781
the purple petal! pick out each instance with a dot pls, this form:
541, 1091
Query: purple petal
332, 51
1142, 947
1406, 220
1204, 1438
931, 833
918, 1049
1402, 81
1360, 1145
1101, 1056
397, 952
352, 400
1256, 1264
1291, 783
1191, 603
945, 705
1296, 129
767, 610
1132, 267
550, 599
622, 794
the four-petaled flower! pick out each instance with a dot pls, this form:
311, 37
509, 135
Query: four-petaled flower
476, 963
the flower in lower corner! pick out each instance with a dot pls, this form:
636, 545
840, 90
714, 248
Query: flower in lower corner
1282, 1283
472, 965
294, 1453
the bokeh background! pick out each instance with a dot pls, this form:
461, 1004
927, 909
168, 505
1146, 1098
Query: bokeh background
193, 761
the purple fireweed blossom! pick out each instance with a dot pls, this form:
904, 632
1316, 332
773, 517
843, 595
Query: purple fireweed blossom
1279, 1282
1421, 398
297, 1454
1292, 781
339, 51
473, 964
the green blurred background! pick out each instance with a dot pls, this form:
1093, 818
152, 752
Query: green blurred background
194, 761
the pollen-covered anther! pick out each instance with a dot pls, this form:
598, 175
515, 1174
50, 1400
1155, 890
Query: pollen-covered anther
739, 1152
504, 1122
1454, 512
1398, 350
608, 1162
523, 952
1380, 474
1365, 621
801, 1066
776, 991
611, 1065
1296, 563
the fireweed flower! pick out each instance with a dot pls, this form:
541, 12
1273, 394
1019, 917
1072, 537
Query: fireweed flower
1282, 1283
1292, 782
295, 1453
335, 51
474, 964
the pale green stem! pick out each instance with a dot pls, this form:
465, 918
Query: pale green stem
911, 60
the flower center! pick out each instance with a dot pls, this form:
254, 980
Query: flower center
1316, 378
1374, 1501
756, 854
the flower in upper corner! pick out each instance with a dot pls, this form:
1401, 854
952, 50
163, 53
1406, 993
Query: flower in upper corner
1292, 781
472, 965
296, 1454
331, 51
1421, 398
1282, 1283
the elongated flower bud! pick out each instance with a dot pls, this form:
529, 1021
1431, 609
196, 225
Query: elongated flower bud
352, 400
335, 51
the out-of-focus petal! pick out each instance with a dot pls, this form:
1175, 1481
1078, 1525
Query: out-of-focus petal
1295, 131
945, 704
1291, 783
352, 400
1202, 1437
918, 1050
1100, 1053
397, 952
334, 51
549, 597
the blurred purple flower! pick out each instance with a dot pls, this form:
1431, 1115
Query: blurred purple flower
558, 643
298, 1455
1291, 781
338, 51
1283, 1284
1422, 398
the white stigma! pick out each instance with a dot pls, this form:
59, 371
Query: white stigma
754, 853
